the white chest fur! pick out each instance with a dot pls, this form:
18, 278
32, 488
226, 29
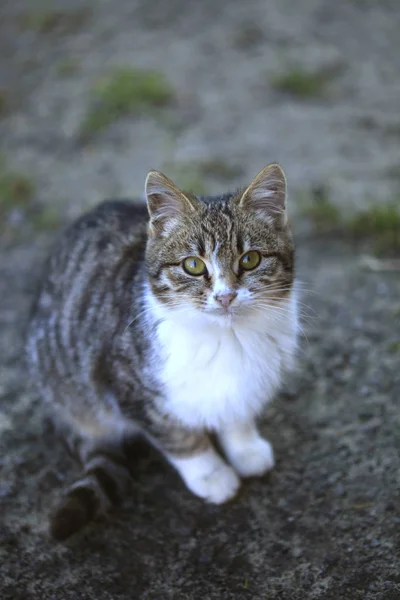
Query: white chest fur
215, 374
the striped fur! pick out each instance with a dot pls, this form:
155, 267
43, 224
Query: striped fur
123, 341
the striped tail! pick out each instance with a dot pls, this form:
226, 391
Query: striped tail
102, 486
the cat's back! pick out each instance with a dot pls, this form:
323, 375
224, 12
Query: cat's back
97, 240
79, 282
100, 235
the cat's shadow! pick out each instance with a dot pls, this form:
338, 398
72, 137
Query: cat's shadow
143, 460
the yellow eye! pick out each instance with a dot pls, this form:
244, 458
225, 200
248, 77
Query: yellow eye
250, 260
194, 266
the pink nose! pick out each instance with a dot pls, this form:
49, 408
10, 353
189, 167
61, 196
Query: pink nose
226, 298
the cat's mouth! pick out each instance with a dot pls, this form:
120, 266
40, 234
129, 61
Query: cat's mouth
223, 312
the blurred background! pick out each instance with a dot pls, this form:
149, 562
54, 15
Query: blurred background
93, 94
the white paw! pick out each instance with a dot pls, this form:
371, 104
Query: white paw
253, 459
209, 477
217, 487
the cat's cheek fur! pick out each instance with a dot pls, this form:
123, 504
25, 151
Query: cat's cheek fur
207, 476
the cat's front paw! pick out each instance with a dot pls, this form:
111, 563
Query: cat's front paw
216, 487
253, 459
209, 477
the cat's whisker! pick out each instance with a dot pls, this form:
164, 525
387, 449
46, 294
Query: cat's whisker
268, 288
293, 287
144, 312
276, 304
286, 311
267, 297
300, 285
270, 309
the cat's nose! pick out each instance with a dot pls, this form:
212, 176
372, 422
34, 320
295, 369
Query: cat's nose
226, 298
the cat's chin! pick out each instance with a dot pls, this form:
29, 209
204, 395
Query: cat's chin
225, 317
222, 318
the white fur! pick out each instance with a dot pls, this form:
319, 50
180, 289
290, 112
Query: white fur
218, 369
208, 476
221, 286
249, 454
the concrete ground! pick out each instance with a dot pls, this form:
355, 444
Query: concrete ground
325, 523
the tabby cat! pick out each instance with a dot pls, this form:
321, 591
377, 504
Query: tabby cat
174, 321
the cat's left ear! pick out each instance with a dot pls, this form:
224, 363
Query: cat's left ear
267, 194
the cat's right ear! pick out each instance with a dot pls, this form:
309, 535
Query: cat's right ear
166, 203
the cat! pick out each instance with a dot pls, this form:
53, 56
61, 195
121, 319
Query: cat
173, 320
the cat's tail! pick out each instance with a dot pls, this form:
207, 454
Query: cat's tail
102, 486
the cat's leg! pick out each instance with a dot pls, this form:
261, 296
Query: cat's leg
104, 481
248, 453
203, 470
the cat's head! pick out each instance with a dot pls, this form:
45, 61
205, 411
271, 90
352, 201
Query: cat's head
225, 257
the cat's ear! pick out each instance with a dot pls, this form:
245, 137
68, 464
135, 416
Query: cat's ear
166, 203
267, 194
